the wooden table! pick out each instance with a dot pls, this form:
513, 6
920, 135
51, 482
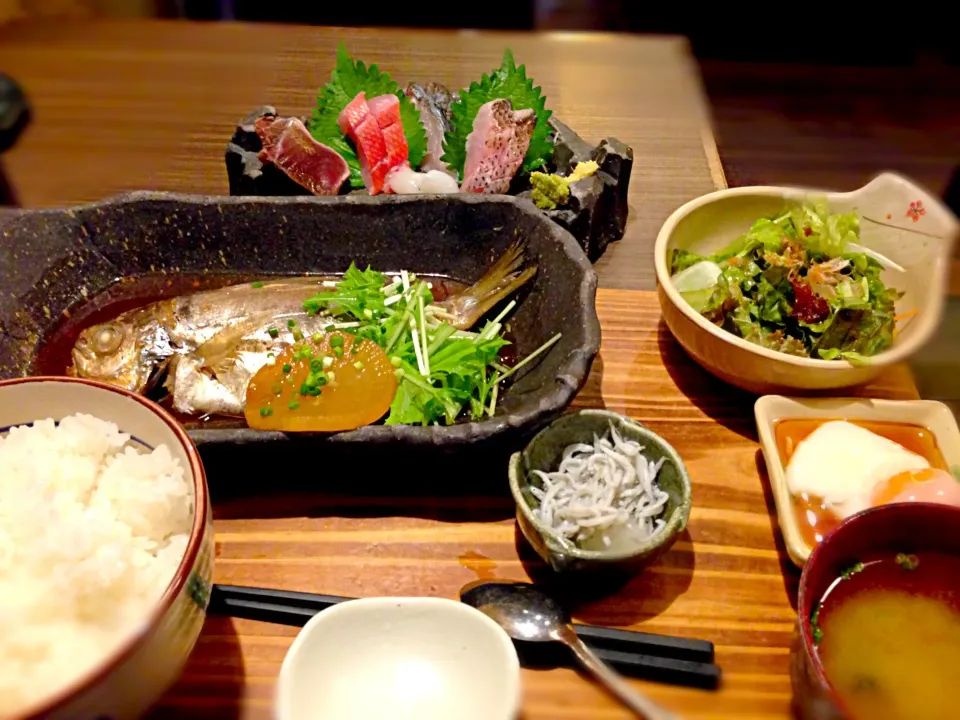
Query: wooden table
122, 106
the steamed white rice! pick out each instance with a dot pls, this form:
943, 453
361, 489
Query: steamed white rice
91, 534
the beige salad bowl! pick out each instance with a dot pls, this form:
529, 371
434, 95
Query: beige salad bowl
898, 220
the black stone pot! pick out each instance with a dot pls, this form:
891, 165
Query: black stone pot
54, 260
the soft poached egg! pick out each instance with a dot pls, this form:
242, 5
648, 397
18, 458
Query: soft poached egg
843, 464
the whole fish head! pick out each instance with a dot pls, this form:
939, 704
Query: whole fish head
120, 353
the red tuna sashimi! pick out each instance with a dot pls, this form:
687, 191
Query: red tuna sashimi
386, 108
289, 145
496, 147
376, 130
353, 114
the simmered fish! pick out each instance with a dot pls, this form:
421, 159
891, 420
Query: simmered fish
209, 345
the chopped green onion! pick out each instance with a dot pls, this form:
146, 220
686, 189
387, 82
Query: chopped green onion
293, 405
330, 328
332, 376
358, 365
338, 351
297, 335
327, 361
256, 285
266, 412
317, 338
395, 361
291, 324
336, 341
273, 332
286, 367
316, 365
277, 388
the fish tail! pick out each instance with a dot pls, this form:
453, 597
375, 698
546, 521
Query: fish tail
499, 273
502, 279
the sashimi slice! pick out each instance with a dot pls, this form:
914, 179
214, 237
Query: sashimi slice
496, 147
396, 145
386, 109
434, 122
377, 132
353, 114
371, 151
288, 144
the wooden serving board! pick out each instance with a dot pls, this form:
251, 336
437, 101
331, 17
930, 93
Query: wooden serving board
727, 579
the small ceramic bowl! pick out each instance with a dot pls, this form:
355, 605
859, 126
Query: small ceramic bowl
897, 528
131, 679
898, 220
545, 452
771, 409
402, 658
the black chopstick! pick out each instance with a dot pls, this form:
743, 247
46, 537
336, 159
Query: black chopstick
679, 661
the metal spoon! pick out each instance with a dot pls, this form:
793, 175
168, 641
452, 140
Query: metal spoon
528, 614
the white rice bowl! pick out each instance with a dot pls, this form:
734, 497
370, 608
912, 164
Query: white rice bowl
92, 532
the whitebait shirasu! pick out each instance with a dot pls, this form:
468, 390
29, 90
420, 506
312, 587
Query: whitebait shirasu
599, 490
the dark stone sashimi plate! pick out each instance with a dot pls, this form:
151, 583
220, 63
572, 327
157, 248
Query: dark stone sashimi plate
52, 261
596, 213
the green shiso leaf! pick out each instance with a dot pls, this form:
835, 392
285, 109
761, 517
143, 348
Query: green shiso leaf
507, 82
350, 77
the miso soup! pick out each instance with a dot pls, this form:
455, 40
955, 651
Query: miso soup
889, 637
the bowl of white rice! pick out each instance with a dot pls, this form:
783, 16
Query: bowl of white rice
106, 550
597, 492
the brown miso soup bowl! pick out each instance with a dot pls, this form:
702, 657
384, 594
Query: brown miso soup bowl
128, 679
908, 528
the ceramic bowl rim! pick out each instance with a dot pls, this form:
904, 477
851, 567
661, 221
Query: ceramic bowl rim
896, 353
806, 636
362, 605
674, 526
134, 640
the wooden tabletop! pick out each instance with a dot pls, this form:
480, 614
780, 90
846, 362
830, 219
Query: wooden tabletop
124, 105
138, 105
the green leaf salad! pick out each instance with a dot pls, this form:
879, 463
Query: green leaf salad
798, 283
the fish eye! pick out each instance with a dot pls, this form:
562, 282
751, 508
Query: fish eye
107, 340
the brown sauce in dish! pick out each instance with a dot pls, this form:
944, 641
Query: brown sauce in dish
814, 519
